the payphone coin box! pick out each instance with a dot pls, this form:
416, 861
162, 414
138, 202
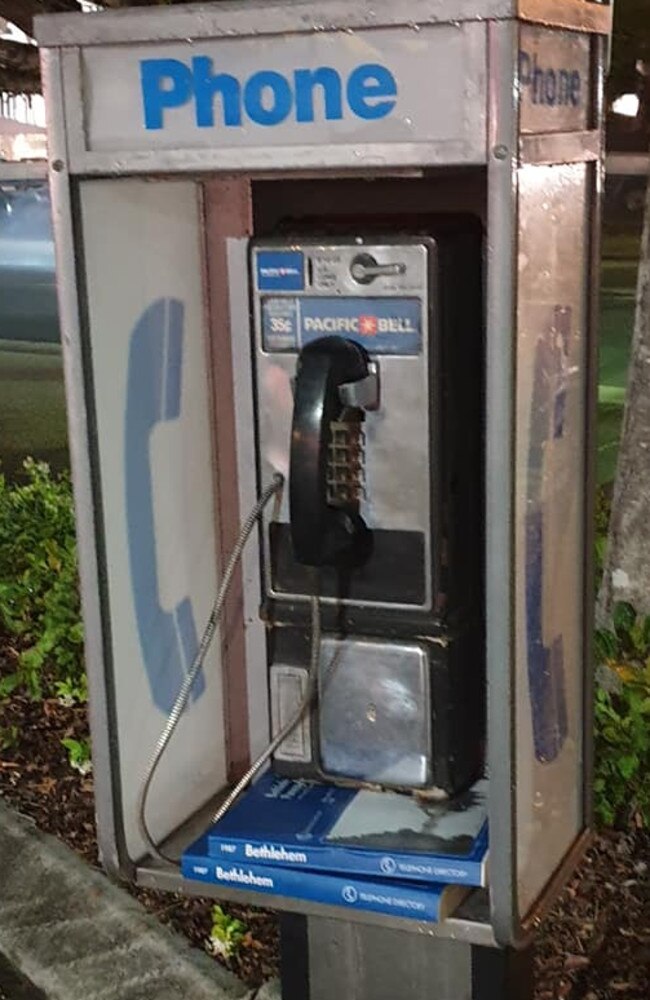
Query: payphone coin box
400, 654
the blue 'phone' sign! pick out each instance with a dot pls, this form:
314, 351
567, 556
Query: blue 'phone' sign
549, 85
267, 97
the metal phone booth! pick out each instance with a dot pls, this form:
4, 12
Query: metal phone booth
198, 155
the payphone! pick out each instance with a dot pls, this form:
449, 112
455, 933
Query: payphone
367, 355
283, 321
367, 389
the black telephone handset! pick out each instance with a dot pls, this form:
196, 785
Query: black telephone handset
322, 533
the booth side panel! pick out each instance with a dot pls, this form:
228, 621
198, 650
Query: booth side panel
107, 806
143, 277
596, 190
499, 464
549, 517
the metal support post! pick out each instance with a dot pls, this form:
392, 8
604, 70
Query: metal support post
361, 962
294, 957
502, 973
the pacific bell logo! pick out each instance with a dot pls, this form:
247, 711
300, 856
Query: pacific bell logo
368, 326
364, 325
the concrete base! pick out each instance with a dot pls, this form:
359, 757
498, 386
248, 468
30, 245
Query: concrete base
76, 936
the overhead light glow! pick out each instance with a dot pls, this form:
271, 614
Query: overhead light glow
11, 33
626, 104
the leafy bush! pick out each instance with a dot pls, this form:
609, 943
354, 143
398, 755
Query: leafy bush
622, 765
228, 934
603, 507
79, 756
9, 736
39, 591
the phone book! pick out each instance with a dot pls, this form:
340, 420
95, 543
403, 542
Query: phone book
431, 903
314, 826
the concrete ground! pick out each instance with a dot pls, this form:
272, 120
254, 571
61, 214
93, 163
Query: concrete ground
68, 933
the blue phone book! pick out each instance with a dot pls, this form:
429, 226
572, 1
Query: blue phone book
430, 903
312, 826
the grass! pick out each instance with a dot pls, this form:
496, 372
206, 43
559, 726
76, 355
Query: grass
618, 275
621, 243
32, 401
618, 285
616, 326
32, 405
616, 322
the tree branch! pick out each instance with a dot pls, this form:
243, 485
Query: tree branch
19, 67
22, 12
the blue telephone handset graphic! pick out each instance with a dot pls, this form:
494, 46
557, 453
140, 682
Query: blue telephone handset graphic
546, 677
168, 639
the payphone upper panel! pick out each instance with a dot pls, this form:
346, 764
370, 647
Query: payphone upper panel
378, 293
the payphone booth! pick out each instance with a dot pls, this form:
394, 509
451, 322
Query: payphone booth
326, 278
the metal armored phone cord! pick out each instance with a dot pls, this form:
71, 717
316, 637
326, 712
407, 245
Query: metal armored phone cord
310, 693
181, 701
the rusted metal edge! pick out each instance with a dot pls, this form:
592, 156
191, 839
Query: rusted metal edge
576, 15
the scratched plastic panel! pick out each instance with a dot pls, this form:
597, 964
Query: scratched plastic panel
154, 452
550, 440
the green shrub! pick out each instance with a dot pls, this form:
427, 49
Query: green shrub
602, 511
79, 756
228, 934
39, 591
622, 716
9, 736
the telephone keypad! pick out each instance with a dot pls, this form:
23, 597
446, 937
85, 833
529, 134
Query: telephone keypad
345, 463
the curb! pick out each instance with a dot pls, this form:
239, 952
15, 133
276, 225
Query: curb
270, 991
13, 984
77, 936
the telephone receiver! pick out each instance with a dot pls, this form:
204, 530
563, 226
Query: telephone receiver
168, 639
324, 533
